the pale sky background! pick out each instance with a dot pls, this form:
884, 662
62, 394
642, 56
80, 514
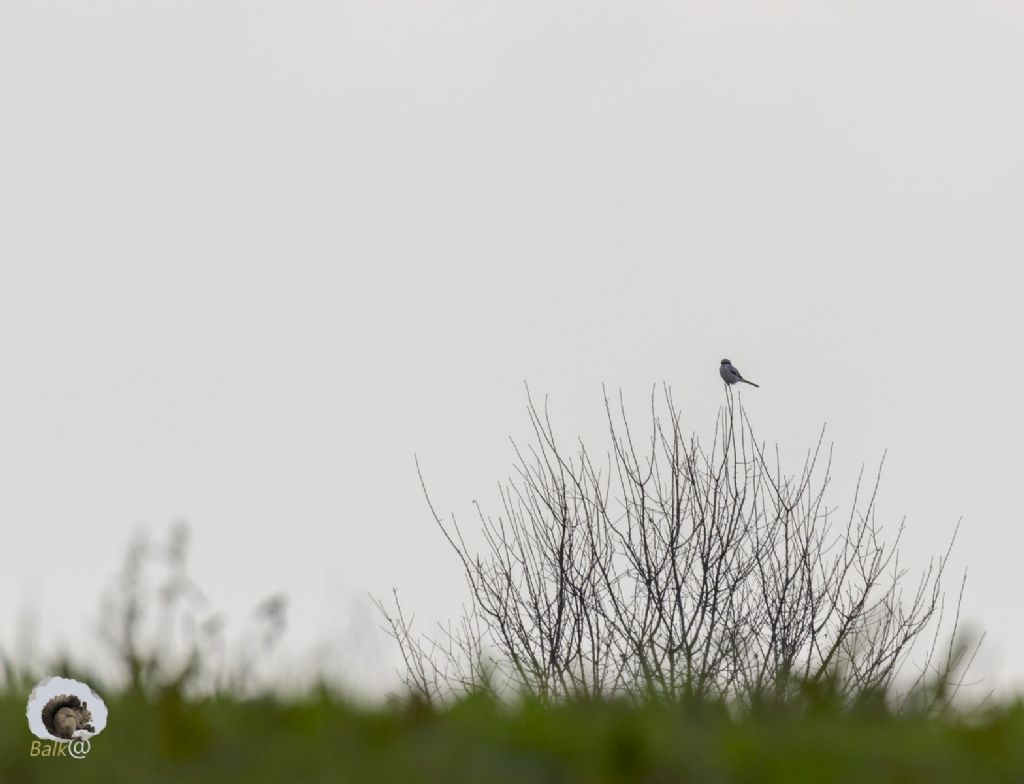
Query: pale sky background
254, 256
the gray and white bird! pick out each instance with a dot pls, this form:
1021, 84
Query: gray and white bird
730, 375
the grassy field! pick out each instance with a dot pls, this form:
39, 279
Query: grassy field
324, 738
155, 735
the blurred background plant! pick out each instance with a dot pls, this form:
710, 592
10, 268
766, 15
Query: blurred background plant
160, 634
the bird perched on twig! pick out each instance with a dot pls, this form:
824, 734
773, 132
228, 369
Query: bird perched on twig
730, 375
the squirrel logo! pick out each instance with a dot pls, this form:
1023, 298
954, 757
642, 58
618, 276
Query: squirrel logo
65, 710
66, 714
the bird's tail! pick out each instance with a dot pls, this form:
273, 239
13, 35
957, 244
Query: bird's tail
751, 383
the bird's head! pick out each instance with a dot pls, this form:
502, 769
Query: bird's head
726, 362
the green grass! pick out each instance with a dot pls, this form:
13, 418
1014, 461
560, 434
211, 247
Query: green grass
326, 739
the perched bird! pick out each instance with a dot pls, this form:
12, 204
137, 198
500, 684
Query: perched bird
731, 375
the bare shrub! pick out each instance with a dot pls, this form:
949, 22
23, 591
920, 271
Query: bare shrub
671, 569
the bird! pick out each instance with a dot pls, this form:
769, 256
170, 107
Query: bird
730, 375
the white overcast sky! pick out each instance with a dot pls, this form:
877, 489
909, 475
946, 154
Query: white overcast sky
254, 256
